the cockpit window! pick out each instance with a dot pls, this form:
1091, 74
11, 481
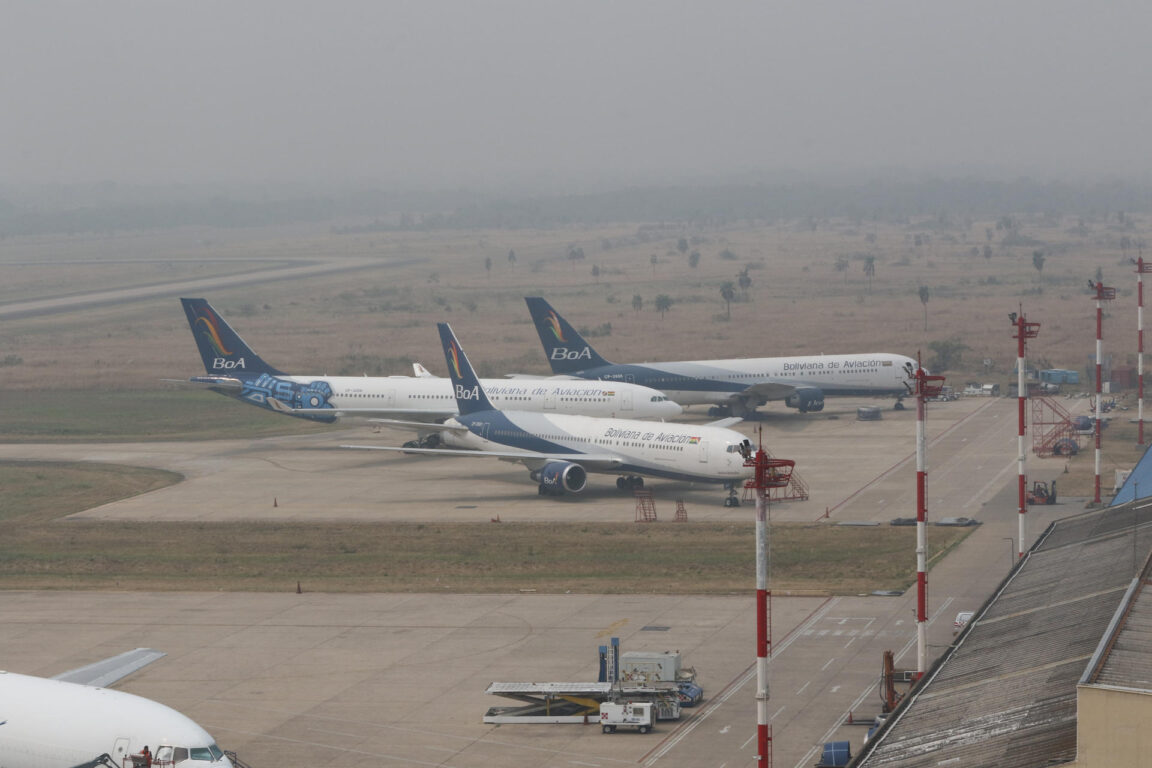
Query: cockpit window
206, 753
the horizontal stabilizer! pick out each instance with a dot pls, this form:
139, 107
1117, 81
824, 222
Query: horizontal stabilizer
220, 382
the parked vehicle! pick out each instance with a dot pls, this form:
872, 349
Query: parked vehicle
633, 714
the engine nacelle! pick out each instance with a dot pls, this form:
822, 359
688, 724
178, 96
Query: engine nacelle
806, 399
559, 477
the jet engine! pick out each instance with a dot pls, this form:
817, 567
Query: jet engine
559, 477
806, 399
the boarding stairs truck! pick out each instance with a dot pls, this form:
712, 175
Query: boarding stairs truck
634, 714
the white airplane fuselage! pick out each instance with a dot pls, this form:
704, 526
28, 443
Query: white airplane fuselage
691, 452
54, 724
564, 396
704, 382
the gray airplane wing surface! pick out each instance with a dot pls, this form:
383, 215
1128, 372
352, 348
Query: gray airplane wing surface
770, 390
105, 672
605, 461
431, 415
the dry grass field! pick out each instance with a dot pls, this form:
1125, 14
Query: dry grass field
378, 319
39, 551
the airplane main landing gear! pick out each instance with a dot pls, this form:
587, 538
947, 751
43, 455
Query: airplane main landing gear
732, 499
629, 483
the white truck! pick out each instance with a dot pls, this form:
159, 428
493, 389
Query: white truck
636, 714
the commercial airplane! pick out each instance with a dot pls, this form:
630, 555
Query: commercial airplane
68, 722
735, 386
560, 450
234, 369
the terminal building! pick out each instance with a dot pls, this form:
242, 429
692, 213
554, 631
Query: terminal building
1055, 668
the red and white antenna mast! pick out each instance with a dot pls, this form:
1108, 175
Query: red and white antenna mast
1142, 268
1103, 294
1023, 330
926, 387
768, 473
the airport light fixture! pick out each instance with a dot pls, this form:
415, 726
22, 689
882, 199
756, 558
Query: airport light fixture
1022, 330
1142, 268
924, 388
1103, 294
767, 473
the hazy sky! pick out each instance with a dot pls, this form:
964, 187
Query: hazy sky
480, 92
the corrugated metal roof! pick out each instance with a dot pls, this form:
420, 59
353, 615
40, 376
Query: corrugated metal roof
1126, 653
1006, 694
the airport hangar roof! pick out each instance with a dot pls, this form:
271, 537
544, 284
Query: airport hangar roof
1005, 693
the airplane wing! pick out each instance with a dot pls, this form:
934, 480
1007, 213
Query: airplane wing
103, 673
769, 390
728, 422
420, 425
588, 460
431, 415
544, 376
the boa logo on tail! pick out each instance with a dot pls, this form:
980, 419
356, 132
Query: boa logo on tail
554, 324
456, 359
207, 325
467, 393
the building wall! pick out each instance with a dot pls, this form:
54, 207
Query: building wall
1112, 727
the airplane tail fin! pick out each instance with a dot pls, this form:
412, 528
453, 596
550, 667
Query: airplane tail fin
222, 349
567, 350
470, 397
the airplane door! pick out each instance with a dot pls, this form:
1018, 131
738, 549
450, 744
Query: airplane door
390, 398
120, 750
703, 451
550, 400
627, 400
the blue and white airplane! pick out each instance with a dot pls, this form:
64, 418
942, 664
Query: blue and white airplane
233, 369
736, 386
560, 450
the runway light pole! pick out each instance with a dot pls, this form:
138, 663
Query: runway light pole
1142, 268
925, 387
1023, 330
1103, 294
768, 473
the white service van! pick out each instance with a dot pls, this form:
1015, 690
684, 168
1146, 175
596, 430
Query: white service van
636, 714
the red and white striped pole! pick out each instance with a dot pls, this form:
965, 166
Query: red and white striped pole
1141, 269
926, 386
768, 473
1024, 330
1103, 294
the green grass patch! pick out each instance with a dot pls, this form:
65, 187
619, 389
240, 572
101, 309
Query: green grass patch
133, 416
